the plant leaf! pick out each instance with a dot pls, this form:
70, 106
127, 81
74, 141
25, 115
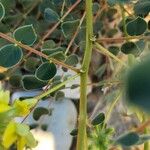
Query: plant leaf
10, 55
142, 7
50, 15
69, 28
25, 34
30, 82
46, 71
99, 119
128, 139
136, 27
38, 112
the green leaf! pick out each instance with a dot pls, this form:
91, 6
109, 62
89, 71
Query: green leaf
22, 129
59, 56
128, 139
136, 27
114, 50
59, 95
50, 15
38, 112
142, 7
95, 8
2, 11
30, 82
99, 119
25, 34
15, 80
46, 71
74, 132
69, 28
138, 85
101, 70
74, 86
52, 52
31, 64
10, 55
49, 44
130, 48
72, 60
8, 4
46, 4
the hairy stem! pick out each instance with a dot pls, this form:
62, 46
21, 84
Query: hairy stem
82, 135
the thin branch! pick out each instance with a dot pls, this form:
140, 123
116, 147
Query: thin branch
46, 35
100, 48
122, 39
28, 12
100, 12
76, 33
6, 37
58, 23
51, 90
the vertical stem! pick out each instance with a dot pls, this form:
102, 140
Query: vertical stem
82, 135
146, 144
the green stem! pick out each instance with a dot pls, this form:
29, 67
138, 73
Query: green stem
57, 87
82, 135
146, 144
51, 90
110, 109
109, 54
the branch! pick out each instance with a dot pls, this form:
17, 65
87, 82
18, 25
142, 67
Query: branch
51, 90
6, 37
121, 39
82, 133
58, 23
107, 53
76, 33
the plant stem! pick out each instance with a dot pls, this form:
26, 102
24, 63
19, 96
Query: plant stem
146, 144
49, 91
110, 109
32, 50
82, 135
75, 34
109, 54
59, 22
122, 39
